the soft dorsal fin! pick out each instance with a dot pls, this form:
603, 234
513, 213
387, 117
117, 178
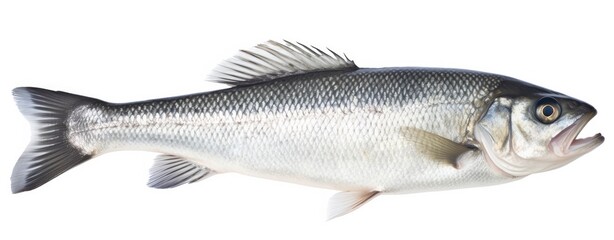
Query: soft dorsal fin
170, 171
272, 60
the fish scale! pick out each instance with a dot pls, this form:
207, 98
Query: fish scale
298, 114
242, 127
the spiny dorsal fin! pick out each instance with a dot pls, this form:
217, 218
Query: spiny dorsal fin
170, 171
273, 60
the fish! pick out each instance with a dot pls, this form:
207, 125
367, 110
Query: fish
299, 114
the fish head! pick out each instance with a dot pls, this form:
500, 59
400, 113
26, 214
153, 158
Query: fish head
534, 131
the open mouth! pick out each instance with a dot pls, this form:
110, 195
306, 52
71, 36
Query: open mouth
566, 142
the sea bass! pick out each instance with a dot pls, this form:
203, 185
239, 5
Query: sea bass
298, 114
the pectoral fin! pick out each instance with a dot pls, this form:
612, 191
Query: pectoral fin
437, 147
170, 171
345, 202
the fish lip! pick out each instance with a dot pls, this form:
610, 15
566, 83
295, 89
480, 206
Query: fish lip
566, 142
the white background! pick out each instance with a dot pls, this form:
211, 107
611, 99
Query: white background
127, 50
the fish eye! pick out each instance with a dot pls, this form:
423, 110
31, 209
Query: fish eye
547, 110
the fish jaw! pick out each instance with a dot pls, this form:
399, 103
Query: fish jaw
567, 145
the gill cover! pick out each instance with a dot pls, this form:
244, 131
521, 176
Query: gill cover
522, 134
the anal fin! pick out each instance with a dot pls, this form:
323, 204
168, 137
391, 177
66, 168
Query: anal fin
171, 171
345, 202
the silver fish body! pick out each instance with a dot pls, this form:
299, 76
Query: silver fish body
360, 131
342, 130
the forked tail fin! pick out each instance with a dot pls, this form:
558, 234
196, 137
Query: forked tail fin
50, 153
